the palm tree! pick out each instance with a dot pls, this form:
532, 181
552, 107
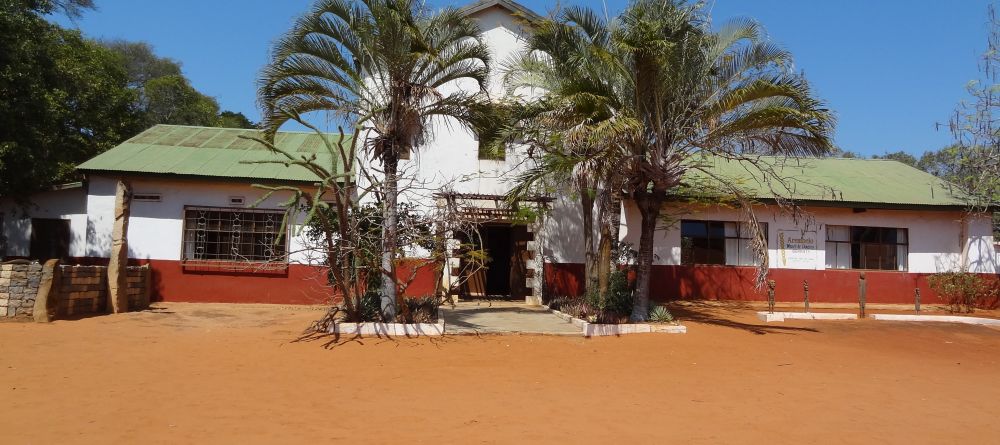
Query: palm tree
380, 65
561, 122
672, 91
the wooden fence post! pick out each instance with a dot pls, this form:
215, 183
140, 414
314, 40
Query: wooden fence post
862, 291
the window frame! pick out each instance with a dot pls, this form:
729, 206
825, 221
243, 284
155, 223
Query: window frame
859, 248
277, 264
484, 155
739, 237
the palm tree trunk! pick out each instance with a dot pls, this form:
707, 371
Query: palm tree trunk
389, 235
649, 208
610, 218
587, 210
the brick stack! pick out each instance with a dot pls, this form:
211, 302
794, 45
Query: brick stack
82, 290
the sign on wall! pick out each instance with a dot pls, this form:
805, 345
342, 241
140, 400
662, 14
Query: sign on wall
797, 249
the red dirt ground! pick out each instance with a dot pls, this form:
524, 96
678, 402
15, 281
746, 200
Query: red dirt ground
205, 373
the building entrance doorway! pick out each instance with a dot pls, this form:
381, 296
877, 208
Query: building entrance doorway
505, 273
49, 239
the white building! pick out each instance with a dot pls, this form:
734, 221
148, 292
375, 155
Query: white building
191, 220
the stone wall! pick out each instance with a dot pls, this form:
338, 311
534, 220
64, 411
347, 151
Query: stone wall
18, 288
75, 290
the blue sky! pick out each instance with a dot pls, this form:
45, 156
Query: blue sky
890, 69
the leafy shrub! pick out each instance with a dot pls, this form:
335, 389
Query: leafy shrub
422, 310
660, 314
368, 309
619, 299
557, 303
964, 292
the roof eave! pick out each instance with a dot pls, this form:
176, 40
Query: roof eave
206, 178
849, 204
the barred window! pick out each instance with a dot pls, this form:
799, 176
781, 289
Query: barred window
877, 248
227, 237
717, 242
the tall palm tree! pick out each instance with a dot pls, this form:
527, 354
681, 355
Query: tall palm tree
572, 106
382, 65
672, 91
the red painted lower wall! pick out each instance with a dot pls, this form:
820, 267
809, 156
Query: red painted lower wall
300, 284
737, 283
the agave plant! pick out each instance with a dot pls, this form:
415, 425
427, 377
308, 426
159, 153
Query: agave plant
660, 314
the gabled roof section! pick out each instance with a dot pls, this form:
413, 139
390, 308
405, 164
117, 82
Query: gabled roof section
509, 5
835, 182
173, 150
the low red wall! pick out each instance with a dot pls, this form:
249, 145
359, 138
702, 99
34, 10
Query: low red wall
737, 283
300, 284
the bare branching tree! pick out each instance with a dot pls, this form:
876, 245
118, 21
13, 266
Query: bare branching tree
974, 161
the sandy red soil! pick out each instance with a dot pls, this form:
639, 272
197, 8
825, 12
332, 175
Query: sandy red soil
232, 374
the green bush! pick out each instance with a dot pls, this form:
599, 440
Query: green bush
620, 298
964, 292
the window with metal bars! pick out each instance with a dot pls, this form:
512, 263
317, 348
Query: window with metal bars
228, 236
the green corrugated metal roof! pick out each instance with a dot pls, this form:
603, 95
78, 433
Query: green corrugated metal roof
211, 152
832, 181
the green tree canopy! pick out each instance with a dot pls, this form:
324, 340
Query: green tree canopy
900, 156
141, 63
233, 119
172, 100
65, 99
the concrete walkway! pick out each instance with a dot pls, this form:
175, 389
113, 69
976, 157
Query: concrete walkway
503, 317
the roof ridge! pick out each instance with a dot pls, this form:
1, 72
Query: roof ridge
239, 129
509, 5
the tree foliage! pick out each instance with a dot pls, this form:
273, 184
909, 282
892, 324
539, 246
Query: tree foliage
974, 161
899, 156
65, 99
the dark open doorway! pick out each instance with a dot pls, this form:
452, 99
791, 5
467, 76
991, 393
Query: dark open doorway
504, 276
49, 239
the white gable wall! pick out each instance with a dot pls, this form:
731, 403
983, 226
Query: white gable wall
450, 159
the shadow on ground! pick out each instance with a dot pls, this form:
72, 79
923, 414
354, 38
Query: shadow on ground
734, 315
473, 318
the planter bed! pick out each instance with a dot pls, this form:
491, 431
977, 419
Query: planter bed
939, 319
390, 329
782, 316
599, 329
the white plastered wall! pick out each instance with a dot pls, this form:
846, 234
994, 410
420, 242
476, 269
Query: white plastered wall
70, 204
155, 228
935, 237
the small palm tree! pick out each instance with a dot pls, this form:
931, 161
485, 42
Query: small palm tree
669, 91
380, 65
